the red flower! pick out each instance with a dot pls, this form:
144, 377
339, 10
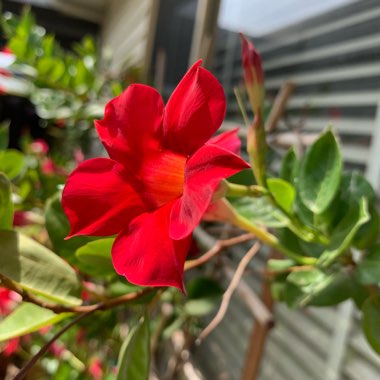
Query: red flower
159, 179
252, 64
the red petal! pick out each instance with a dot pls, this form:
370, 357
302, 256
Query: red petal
132, 125
194, 111
146, 255
203, 172
99, 198
227, 140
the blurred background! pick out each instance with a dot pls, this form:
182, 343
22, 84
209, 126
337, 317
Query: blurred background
325, 56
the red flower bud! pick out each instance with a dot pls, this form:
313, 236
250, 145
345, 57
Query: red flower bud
252, 64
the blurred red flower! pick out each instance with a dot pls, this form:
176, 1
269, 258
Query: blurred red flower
159, 179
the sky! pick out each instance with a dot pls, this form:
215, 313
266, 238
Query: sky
259, 17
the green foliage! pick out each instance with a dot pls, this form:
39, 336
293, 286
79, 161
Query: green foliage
320, 173
283, 193
368, 270
12, 163
134, 357
95, 257
37, 269
6, 205
27, 318
260, 211
204, 295
371, 321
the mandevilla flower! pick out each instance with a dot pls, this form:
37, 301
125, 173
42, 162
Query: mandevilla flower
160, 178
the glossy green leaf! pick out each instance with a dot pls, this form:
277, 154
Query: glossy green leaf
368, 270
345, 231
289, 166
320, 173
96, 256
260, 211
27, 318
283, 193
12, 163
37, 269
6, 204
371, 321
134, 356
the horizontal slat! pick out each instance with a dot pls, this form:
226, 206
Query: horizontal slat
354, 99
331, 75
321, 30
353, 46
357, 126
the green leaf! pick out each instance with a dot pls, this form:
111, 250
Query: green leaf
368, 270
96, 256
368, 233
27, 318
334, 293
134, 357
51, 69
4, 135
303, 278
6, 205
58, 228
204, 295
283, 193
260, 211
289, 166
320, 173
200, 307
279, 265
345, 231
203, 287
37, 269
371, 321
12, 163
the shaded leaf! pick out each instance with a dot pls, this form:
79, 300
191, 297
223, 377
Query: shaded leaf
134, 356
6, 204
289, 166
371, 322
345, 231
368, 270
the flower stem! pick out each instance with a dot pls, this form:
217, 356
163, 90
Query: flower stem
236, 190
266, 237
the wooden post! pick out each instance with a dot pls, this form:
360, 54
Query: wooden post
206, 18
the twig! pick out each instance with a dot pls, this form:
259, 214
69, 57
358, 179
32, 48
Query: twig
229, 292
279, 105
217, 247
24, 370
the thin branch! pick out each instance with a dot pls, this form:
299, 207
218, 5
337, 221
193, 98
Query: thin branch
229, 292
24, 370
217, 248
